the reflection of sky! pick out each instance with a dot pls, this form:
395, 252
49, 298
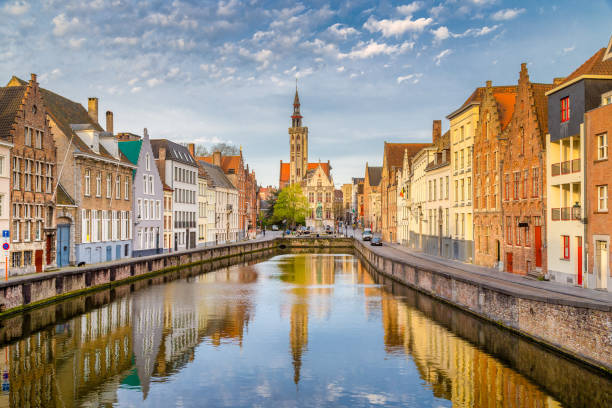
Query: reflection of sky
344, 362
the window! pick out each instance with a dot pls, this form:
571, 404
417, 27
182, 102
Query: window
126, 193
28, 174
517, 179
565, 242
117, 187
462, 151
39, 135
525, 183
517, 230
447, 183
602, 146
151, 189
507, 187
49, 178
602, 198
87, 182
85, 225
99, 184
148, 162
39, 177
16, 173
28, 136
565, 109
509, 230
311, 197
145, 184
535, 182
109, 185
139, 215
16, 231
145, 215
469, 189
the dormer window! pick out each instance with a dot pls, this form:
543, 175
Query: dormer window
148, 162
565, 109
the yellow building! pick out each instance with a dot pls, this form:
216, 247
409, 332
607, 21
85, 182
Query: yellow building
463, 122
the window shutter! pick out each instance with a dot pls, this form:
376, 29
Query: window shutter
83, 226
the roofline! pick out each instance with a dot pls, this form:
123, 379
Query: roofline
461, 109
67, 205
573, 81
118, 162
5, 143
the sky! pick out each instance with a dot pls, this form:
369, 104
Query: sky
224, 71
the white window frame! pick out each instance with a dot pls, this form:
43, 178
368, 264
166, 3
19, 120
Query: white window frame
87, 182
126, 187
602, 198
602, 146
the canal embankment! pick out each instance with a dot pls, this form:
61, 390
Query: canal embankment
575, 326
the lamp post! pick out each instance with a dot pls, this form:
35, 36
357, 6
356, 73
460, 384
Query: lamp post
576, 215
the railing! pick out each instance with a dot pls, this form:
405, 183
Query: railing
564, 214
566, 167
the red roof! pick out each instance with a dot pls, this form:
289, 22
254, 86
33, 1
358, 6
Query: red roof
227, 162
596, 65
325, 166
505, 105
284, 172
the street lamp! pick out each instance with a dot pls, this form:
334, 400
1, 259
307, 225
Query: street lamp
576, 211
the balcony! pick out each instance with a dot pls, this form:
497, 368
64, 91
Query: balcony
564, 214
566, 167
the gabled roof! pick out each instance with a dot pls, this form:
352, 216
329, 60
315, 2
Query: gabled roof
227, 162
505, 105
166, 187
62, 197
374, 175
476, 97
394, 153
215, 175
443, 143
285, 170
541, 106
174, 151
10, 102
596, 65
65, 113
325, 166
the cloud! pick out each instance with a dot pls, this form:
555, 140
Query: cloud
396, 27
154, 82
409, 9
62, 24
181, 44
568, 50
410, 77
340, 69
438, 58
263, 57
125, 40
76, 42
227, 8
437, 10
174, 71
136, 89
372, 48
342, 31
16, 8
55, 73
442, 33
507, 14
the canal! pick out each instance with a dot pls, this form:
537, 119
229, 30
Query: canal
288, 330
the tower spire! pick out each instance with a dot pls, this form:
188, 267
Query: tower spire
296, 118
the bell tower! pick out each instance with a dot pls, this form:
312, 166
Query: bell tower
298, 143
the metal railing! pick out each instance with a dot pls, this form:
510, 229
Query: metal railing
564, 214
566, 167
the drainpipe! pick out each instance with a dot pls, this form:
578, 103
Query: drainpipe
583, 216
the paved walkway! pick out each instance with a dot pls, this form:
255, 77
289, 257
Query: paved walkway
503, 280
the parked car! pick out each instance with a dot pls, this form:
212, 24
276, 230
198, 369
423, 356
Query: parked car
367, 234
376, 241
328, 229
275, 227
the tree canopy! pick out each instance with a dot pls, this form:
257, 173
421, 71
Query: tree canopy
226, 149
291, 205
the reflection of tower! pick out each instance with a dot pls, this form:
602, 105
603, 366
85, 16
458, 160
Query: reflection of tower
298, 144
298, 335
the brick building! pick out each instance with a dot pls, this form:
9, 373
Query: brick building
393, 156
495, 106
371, 198
522, 169
24, 123
598, 128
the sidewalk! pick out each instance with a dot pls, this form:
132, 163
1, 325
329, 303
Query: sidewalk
514, 282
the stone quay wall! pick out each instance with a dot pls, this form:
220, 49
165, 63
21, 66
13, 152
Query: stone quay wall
23, 293
580, 330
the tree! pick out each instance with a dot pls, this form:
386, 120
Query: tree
291, 205
226, 149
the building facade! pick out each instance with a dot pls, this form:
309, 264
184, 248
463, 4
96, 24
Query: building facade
33, 170
372, 217
179, 170
496, 104
568, 102
598, 128
420, 226
319, 190
202, 207
168, 224
522, 169
148, 195
226, 224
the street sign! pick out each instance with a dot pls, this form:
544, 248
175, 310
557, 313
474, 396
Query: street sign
6, 246
6, 233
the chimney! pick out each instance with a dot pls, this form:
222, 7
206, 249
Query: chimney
489, 84
191, 148
217, 158
33, 78
109, 122
436, 132
162, 153
557, 81
92, 109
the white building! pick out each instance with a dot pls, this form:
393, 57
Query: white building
178, 169
225, 216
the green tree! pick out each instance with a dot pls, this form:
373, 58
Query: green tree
291, 205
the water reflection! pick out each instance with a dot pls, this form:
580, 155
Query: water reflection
308, 330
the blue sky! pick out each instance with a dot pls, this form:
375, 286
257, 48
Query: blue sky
369, 72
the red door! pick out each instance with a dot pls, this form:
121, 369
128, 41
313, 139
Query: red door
579, 249
38, 258
48, 248
538, 245
509, 261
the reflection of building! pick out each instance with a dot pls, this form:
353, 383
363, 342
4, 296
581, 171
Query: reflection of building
456, 370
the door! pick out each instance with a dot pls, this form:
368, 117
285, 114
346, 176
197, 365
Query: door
118, 252
498, 250
579, 257
601, 263
38, 260
109, 253
63, 245
537, 239
48, 248
509, 261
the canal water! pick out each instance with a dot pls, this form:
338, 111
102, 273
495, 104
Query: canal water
307, 330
